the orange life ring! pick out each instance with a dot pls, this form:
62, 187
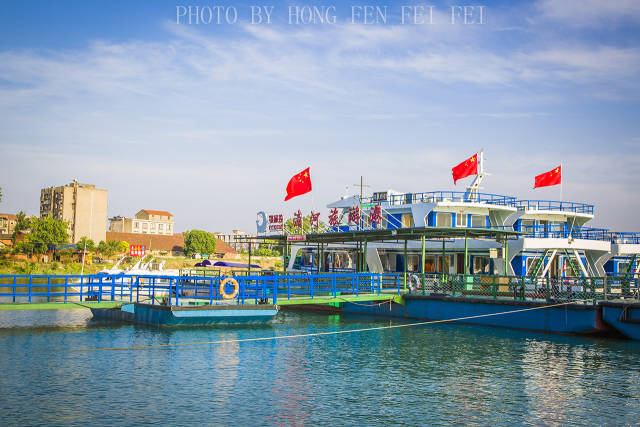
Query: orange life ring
236, 288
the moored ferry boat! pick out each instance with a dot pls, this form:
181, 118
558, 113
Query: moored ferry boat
461, 251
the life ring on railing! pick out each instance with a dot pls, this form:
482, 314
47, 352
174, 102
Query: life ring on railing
236, 288
414, 282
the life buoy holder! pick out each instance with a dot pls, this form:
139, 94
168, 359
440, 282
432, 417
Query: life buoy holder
414, 282
236, 288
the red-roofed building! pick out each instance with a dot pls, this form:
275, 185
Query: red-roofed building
146, 221
7, 223
173, 244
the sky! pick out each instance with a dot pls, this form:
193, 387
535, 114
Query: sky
210, 120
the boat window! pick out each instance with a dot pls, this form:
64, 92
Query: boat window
481, 265
461, 220
413, 262
443, 219
429, 264
478, 221
407, 220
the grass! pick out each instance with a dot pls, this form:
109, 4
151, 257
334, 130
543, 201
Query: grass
171, 263
59, 305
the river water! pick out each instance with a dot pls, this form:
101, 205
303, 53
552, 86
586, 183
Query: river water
420, 375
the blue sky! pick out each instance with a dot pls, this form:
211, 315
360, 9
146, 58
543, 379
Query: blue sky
210, 121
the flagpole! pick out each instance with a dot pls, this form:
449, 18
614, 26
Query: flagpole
561, 179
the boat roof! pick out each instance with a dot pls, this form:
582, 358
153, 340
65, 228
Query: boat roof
409, 233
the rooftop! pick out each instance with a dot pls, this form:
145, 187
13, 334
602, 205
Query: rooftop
152, 212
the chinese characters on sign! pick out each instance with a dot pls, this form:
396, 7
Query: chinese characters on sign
275, 222
376, 216
297, 219
137, 250
313, 220
354, 215
333, 217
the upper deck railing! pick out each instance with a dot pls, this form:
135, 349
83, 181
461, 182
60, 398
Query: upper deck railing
553, 205
540, 231
442, 196
625, 238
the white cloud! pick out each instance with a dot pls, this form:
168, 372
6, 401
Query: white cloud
212, 119
590, 13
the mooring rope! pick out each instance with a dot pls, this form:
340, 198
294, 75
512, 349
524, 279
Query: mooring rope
316, 334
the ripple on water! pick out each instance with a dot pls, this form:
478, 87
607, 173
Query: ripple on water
433, 375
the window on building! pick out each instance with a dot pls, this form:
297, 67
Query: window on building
461, 220
136, 225
145, 226
161, 228
478, 221
443, 219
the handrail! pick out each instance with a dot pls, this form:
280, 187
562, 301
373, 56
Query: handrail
554, 205
524, 288
557, 231
441, 196
173, 289
625, 237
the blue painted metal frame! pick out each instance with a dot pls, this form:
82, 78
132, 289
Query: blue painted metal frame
439, 196
142, 288
555, 205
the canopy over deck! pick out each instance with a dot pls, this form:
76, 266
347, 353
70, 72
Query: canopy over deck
413, 233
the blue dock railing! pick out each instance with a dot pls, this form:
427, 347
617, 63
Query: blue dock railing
151, 288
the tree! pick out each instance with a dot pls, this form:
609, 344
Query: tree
199, 242
0, 194
103, 248
90, 245
22, 223
46, 232
122, 246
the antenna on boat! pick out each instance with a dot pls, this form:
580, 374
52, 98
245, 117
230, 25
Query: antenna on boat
472, 190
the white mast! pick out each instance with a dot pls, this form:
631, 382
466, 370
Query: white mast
472, 190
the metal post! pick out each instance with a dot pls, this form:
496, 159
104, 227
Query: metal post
506, 257
423, 259
284, 256
249, 263
466, 256
444, 273
364, 256
405, 265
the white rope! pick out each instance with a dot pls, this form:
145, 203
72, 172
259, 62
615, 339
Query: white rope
315, 334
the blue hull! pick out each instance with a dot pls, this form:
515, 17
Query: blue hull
188, 316
570, 319
623, 317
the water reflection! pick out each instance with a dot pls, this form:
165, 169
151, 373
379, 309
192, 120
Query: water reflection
439, 374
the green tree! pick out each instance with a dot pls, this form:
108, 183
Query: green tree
47, 232
103, 248
122, 246
199, 242
22, 223
90, 245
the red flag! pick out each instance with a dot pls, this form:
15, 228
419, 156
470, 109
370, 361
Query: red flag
299, 184
553, 177
466, 168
